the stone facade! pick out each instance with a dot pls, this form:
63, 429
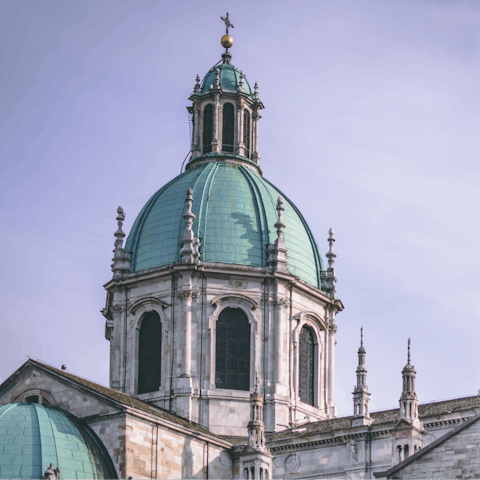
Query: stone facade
455, 455
189, 299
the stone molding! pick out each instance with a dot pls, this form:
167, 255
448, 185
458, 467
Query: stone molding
327, 442
147, 302
443, 424
35, 391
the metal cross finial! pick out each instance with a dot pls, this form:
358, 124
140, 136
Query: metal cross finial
361, 336
408, 358
227, 22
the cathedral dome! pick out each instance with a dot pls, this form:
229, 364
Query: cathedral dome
229, 77
34, 436
235, 213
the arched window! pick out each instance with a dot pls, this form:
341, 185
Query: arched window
246, 133
307, 366
228, 127
149, 353
207, 128
233, 350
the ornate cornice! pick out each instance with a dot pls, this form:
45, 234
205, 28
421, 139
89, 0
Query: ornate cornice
440, 425
327, 442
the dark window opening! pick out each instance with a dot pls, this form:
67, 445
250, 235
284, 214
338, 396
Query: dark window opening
207, 129
32, 399
149, 354
233, 350
307, 366
246, 133
228, 127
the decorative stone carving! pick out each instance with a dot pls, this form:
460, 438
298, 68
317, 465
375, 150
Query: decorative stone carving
277, 253
52, 473
282, 303
190, 252
184, 294
292, 462
121, 259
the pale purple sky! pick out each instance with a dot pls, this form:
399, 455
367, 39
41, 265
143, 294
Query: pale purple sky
371, 126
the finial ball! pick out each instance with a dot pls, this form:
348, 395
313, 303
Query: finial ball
226, 41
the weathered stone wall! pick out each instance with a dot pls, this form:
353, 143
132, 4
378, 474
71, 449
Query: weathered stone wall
111, 431
457, 457
154, 451
64, 395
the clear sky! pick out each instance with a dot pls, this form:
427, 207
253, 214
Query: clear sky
371, 126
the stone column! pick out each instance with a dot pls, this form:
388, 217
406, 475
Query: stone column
186, 296
240, 126
255, 118
332, 329
196, 131
216, 125
281, 305
116, 350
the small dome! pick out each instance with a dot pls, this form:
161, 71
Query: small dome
229, 79
235, 216
34, 436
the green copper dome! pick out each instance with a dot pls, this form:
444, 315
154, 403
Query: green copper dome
235, 213
229, 79
34, 436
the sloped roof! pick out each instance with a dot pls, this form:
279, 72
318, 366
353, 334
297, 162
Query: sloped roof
383, 417
122, 399
428, 448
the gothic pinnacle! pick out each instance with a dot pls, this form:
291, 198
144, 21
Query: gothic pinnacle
331, 254
408, 354
121, 259
197, 84
189, 252
279, 225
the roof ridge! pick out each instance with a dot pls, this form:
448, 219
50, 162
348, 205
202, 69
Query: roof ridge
128, 400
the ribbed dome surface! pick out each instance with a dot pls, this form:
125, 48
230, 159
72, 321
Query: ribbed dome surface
229, 79
33, 436
235, 211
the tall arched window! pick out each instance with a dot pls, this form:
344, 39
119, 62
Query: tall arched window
228, 127
149, 353
246, 133
233, 350
307, 366
207, 128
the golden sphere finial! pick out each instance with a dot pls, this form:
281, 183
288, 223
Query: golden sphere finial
226, 41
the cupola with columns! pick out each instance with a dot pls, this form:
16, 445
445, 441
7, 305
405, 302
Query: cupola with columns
225, 112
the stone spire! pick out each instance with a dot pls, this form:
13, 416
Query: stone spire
361, 396
408, 399
277, 253
329, 278
190, 243
121, 259
255, 94
256, 428
240, 83
197, 84
254, 460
